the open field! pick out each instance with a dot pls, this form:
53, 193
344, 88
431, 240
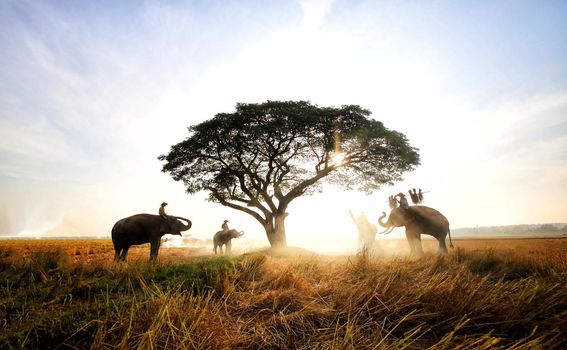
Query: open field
493, 294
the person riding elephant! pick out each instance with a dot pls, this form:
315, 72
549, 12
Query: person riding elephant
392, 202
403, 200
162, 211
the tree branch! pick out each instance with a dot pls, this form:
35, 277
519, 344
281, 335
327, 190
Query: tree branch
226, 203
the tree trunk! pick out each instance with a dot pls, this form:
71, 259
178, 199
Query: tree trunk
276, 231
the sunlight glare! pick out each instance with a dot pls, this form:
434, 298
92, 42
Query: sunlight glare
338, 158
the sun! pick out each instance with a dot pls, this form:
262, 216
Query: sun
338, 158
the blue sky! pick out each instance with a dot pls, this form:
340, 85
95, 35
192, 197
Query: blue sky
92, 92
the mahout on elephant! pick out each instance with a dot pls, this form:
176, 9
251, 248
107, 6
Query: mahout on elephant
225, 237
392, 202
144, 228
418, 219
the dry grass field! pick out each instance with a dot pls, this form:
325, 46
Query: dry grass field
487, 294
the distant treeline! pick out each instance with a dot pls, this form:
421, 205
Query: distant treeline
511, 230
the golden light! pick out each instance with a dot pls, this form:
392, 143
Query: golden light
338, 158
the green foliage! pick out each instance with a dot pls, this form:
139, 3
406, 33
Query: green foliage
283, 144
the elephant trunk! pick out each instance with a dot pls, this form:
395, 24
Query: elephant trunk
185, 227
241, 234
381, 221
352, 216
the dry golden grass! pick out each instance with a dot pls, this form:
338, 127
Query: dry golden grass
488, 294
91, 251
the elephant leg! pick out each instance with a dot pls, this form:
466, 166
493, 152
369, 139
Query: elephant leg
366, 246
117, 250
414, 241
411, 243
228, 247
366, 249
124, 253
154, 249
418, 247
215, 249
442, 246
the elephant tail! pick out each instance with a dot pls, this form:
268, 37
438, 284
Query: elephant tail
450, 241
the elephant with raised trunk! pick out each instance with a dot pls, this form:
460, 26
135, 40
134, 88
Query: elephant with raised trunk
145, 228
224, 238
366, 232
418, 219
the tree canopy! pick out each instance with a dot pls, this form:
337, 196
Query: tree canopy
262, 156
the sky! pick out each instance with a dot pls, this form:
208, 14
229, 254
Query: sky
91, 93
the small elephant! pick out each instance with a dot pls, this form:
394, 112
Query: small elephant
418, 219
225, 237
144, 228
366, 232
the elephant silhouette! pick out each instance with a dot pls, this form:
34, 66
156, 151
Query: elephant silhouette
224, 238
144, 228
366, 232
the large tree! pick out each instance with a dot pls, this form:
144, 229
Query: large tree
263, 156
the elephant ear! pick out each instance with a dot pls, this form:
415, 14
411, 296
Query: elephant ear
164, 226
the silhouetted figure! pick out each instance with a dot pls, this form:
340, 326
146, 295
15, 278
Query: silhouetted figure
392, 202
414, 196
162, 211
420, 196
403, 200
225, 226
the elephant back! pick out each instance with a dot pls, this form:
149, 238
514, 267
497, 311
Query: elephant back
117, 228
429, 214
140, 222
219, 236
223, 237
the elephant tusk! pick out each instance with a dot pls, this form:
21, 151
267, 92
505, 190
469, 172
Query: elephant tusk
388, 230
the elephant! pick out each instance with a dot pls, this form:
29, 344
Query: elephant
418, 219
144, 228
366, 232
225, 237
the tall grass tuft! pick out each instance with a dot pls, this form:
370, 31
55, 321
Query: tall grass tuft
468, 300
